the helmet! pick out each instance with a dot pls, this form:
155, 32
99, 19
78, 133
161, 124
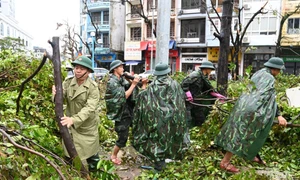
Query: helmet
275, 62
207, 65
115, 64
161, 69
83, 61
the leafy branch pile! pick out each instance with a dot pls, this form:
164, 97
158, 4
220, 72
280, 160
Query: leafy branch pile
281, 151
34, 127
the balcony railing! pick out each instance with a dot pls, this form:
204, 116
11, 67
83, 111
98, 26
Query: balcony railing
135, 39
98, 4
102, 27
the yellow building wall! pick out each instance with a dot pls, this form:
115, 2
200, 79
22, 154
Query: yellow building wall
289, 39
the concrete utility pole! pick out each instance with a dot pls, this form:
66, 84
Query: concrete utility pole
163, 31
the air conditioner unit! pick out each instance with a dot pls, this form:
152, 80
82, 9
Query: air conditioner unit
245, 40
247, 7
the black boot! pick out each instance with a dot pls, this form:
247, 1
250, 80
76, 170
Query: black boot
92, 162
159, 165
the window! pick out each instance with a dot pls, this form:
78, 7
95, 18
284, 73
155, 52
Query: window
190, 4
194, 28
172, 29
293, 26
96, 17
265, 24
150, 3
8, 31
105, 40
135, 11
105, 17
217, 24
149, 30
135, 34
2, 29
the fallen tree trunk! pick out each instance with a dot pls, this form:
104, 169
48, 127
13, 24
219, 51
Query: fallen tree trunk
67, 139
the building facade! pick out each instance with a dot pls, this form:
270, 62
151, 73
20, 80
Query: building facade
9, 26
191, 33
290, 41
95, 29
140, 42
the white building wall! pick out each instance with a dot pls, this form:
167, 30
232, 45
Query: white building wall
15, 31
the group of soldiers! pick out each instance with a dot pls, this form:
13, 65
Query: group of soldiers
162, 112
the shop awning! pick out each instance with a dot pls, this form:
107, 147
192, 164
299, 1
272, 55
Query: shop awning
172, 44
144, 45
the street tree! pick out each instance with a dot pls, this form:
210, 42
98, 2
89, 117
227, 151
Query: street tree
14, 44
236, 41
283, 17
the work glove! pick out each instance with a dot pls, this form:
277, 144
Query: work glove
217, 95
189, 96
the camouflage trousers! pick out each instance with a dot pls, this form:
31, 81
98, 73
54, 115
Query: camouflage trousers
122, 129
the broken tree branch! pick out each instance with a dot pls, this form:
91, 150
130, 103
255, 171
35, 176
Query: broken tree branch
27, 80
33, 152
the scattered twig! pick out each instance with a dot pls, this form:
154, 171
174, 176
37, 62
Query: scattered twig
33, 152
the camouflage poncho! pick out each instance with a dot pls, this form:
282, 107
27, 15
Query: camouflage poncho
159, 123
200, 87
115, 99
251, 119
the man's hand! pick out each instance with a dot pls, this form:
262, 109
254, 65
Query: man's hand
53, 90
135, 80
144, 83
66, 121
282, 121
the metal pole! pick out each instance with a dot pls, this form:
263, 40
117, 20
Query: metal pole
93, 52
151, 62
163, 31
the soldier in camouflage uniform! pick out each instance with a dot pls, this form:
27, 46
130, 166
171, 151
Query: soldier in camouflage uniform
82, 96
197, 85
159, 123
117, 93
252, 117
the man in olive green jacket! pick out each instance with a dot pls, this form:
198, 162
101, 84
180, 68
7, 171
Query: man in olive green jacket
81, 95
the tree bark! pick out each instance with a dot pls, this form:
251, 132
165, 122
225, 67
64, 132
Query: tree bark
59, 103
222, 75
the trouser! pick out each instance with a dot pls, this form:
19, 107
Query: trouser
122, 129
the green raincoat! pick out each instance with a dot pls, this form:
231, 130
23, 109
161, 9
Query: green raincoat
159, 123
117, 105
82, 102
251, 119
200, 87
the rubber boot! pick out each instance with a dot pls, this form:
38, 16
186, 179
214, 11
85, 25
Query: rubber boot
92, 162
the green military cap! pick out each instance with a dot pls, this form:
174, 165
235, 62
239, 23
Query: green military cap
275, 62
115, 64
207, 65
161, 69
83, 61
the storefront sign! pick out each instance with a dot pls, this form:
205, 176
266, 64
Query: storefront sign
291, 59
213, 54
132, 51
193, 60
